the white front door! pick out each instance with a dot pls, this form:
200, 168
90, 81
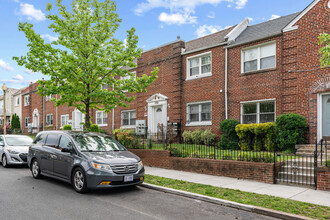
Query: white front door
77, 119
158, 117
326, 115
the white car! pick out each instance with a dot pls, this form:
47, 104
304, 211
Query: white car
14, 149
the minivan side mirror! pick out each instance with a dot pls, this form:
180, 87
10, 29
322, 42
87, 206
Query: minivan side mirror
66, 150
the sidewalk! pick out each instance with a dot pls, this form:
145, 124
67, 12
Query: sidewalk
289, 192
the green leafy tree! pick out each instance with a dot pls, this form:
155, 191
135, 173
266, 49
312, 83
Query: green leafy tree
325, 51
15, 122
85, 57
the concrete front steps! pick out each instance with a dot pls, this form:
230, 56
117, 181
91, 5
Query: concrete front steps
308, 150
299, 171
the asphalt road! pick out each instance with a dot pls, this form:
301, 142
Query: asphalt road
22, 197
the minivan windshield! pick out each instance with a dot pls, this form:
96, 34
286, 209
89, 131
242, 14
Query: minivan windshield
18, 140
96, 143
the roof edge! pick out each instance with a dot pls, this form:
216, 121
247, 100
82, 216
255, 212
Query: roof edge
163, 45
236, 31
290, 26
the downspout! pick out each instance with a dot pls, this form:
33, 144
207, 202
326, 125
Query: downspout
226, 82
113, 120
43, 113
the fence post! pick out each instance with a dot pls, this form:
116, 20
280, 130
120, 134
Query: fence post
275, 164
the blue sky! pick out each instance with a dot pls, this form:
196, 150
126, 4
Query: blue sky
156, 22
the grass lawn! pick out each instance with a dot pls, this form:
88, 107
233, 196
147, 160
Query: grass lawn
202, 151
270, 202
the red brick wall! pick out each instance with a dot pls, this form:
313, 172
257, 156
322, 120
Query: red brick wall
168, 60
154, 158
205, 89
323, 178
262, 172
258, 85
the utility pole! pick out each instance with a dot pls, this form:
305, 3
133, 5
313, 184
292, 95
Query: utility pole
4, 89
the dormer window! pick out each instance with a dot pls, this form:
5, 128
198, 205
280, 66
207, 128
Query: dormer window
199, 66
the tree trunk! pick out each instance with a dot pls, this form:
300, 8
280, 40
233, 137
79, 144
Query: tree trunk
87, 117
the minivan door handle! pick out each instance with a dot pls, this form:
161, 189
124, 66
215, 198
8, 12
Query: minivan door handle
53, 156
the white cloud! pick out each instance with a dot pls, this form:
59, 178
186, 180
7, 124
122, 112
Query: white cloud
30, 71
175, 5
240, 4
177, 18
49, 37
211, 14
207, 29
250, 19
274, 17
31, 12
18, 77
6, 66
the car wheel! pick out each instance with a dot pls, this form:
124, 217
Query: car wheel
4, 161
35, 169
79, 181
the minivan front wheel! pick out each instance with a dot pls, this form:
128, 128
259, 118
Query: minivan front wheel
79, 180
35, 169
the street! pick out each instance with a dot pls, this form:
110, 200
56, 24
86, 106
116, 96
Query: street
22, 197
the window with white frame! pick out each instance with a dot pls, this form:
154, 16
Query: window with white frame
199, 113
26, 121
128, 118
49, 119
128, 77
258, 112
259, 58
26, 100
17, 101
199, 65
101, 118
64, 120
104, 87
48, 97
1, 104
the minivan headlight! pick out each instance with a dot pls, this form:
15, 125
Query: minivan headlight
104, 167
140, 165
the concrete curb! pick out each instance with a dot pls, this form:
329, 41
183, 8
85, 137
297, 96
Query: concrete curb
249, 208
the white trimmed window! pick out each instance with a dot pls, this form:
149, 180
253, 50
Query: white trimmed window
258, 111
64, 120
199, 66
199, 113
128, 77
104, 87
101, 118
26, 100
48, 97
49, 119
17, 101
259, 57
26, 121
128, 118
1, 104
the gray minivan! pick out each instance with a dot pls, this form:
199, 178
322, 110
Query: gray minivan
86, 160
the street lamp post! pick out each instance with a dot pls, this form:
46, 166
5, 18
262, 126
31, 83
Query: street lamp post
4, 89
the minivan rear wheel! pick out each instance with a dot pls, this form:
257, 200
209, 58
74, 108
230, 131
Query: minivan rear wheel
79, 181
35, 169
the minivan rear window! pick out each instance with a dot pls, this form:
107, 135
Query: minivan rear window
52, 140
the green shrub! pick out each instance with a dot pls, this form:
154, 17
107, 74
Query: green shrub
187, 137
15, 122
94, 128
251, 157
290, 130
195, 154
256, 136
227, 156
208, 137
211, 155
226, 143
67, 127
327, 163
229, 138
196, 136
102, 131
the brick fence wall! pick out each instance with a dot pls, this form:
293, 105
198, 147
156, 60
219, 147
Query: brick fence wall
262, 172
323, 178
